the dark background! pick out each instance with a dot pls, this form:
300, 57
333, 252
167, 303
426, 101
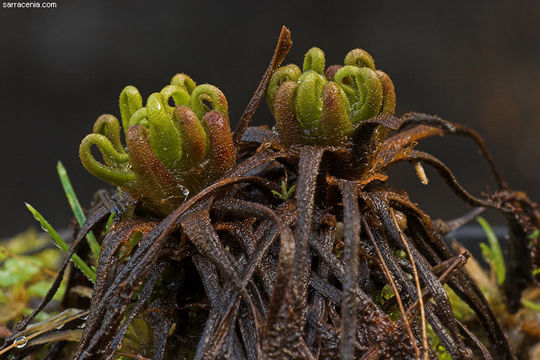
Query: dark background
60, 68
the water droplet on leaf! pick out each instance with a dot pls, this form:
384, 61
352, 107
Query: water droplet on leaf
22, 340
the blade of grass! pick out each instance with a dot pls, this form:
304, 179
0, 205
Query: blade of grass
89, 273
497, 258
109, 222
76, 208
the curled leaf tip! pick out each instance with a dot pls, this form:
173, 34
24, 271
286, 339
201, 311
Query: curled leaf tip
360, 58
205, 98
314, 60
289, 72
130, 101
183, 81
117, 172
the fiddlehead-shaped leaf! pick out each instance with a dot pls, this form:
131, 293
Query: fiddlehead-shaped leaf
108, 126
130, 102
364, 90
115, 175
290, 131
314, 60
178, 93
309, 101
164, 135
335, 126
205, 98
359, 58
289, 72
184, 81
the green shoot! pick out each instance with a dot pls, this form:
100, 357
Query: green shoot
109, 222
530, 305
492, 253
76, 208
89, 273
285, 193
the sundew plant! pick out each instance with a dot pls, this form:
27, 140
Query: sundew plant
282, 243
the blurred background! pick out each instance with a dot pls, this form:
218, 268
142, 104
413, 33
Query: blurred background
476, 64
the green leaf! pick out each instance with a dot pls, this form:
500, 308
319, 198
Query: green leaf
530, 305
278, 194
91, 275
487, 254
285, 194
109, 222
496, 255
289, 193
76, 208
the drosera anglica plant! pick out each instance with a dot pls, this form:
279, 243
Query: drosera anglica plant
295, 279
171, 150
318, 106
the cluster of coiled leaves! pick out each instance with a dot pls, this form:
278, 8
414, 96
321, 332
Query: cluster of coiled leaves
171, 150
318, 106
180, 141
293, 276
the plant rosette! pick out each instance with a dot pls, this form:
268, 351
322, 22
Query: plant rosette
324, 107
176, 145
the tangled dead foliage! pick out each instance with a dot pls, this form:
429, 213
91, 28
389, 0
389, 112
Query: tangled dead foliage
300, 278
